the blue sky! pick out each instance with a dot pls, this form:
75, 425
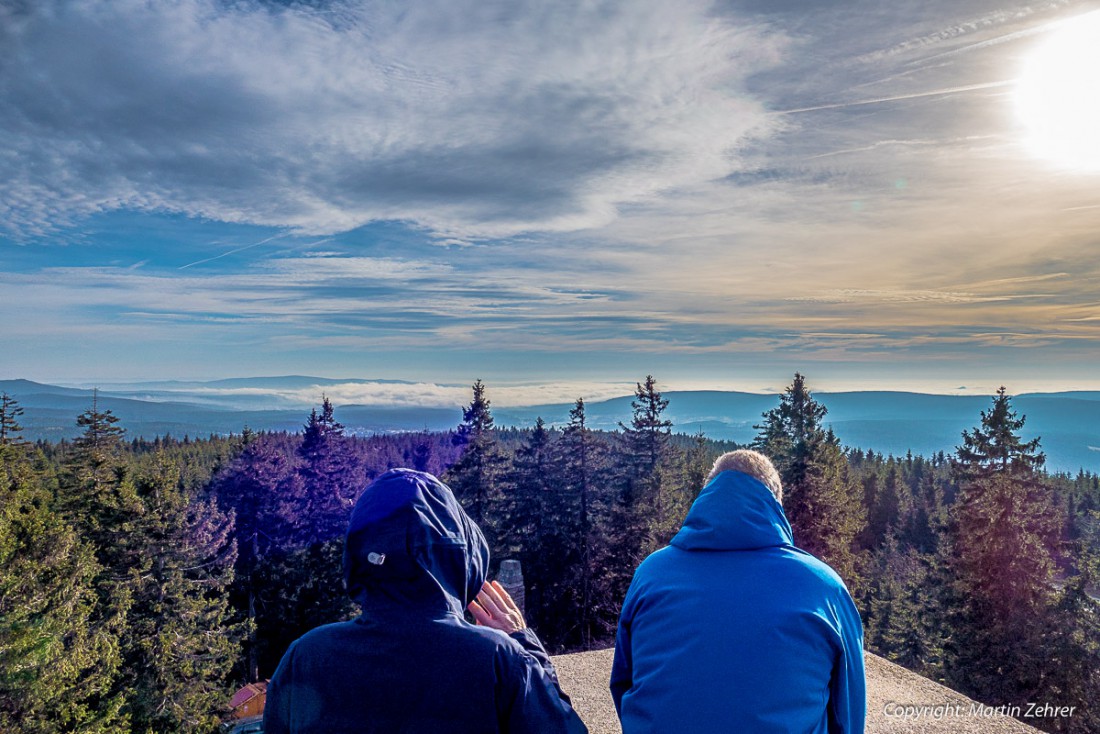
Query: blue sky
566, 193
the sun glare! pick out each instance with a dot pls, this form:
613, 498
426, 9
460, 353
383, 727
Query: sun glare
1058, 95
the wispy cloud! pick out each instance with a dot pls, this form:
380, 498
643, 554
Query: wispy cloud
467, 118
969, 27
567, 188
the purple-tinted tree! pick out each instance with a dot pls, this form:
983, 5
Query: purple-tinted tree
475, 477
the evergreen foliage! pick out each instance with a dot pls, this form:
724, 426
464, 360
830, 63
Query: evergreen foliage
583, 467
141, 581
820, 498
899, 623
995, 447
248, 488
641, 516
54, 667
1004, 538
539, 526
329, 484
475, 477
96, 499
174, 669
9, 420
1071, 653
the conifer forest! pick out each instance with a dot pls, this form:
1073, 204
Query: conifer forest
143, 581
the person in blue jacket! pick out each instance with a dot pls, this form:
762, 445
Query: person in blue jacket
410, 663
731, 628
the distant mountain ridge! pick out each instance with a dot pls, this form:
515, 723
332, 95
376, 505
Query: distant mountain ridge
884, 421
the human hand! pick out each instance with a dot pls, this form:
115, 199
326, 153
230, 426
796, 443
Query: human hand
495, 608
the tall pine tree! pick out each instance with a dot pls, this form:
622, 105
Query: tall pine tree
1004, 538
537, 529
99, 503
820, 498
582, 466
303, 574
641, 517
250, 487
475, 477
55, 667
10, 430
179, 641
330, 484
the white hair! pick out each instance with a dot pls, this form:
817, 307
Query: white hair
753, 463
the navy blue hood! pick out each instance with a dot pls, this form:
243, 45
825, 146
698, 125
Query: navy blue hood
734, 511
410, 544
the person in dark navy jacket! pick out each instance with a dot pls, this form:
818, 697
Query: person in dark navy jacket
731, 628
410, 663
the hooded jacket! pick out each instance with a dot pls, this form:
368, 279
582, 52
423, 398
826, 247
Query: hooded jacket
732, 629
410, 663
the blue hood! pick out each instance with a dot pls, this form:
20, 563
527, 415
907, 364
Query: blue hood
734, 512
733, 629
410, 544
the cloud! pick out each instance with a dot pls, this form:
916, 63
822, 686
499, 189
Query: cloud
469, 119
854, 295
706, 225
971, 26
422, 394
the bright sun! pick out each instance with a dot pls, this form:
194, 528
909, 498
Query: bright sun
1058, 95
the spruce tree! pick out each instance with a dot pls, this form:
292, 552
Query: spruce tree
581, 465
525, 519
900, 608
96, 499
792, 430
304, 573
536, 530
883, 507
691, 464
475, 477
1071, 644
56, 668
640, 517
249, 488
820, 497
1004, 538
329, 482
422, 456
179, 642
10, 430
995, 447
95, 467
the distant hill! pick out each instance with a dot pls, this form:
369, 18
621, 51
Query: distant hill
1073, 394
888, 422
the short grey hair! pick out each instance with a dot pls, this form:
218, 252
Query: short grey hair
753, 463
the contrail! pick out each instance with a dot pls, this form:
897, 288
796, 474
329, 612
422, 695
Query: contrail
990, 42
232, 252
917, 95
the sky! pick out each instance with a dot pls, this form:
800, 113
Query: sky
553, 197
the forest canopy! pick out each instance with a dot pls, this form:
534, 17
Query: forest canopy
141, 581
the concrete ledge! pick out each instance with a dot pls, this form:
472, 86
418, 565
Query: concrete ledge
584, 677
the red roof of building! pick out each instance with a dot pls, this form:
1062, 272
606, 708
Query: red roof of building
246, 694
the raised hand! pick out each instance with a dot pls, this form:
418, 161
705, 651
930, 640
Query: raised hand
495, 608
